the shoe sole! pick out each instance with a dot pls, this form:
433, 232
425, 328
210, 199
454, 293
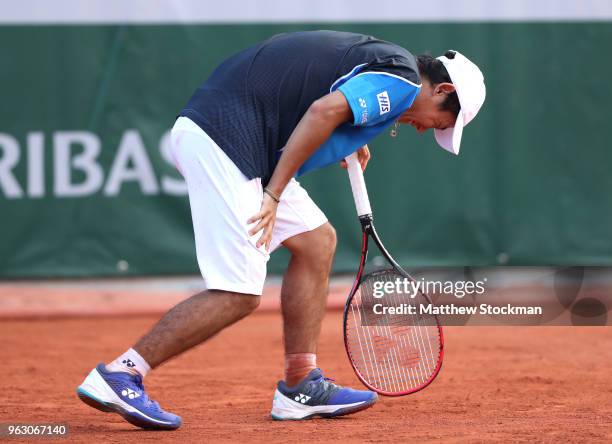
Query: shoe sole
130, 417
340, 412
133, 417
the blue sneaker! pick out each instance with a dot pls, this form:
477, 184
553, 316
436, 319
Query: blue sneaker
123, 393
316, 395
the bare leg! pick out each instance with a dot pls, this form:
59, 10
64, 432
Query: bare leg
193, 321
305, 288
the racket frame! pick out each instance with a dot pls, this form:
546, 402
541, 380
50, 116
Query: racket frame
369, 231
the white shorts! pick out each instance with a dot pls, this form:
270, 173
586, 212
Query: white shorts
221, 200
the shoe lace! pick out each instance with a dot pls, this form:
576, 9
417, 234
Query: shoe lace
323, 386
145, 398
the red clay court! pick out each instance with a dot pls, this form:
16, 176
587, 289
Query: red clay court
520, 384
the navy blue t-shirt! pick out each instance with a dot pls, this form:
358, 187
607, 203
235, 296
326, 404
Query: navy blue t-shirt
252, 102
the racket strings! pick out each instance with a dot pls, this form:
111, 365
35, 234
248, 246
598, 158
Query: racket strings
395, 353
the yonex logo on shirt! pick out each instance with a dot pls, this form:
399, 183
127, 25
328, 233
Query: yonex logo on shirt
383, 102
364, 111
364, 116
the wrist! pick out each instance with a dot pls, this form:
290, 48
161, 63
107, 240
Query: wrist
274, 196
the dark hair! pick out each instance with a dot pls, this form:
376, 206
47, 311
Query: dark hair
435, 72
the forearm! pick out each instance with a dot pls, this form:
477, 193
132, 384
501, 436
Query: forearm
315, 127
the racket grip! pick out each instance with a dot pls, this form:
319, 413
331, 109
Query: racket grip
358, 186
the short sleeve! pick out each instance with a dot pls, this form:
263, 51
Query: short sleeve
375, 97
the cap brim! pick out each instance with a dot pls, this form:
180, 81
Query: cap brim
450, 138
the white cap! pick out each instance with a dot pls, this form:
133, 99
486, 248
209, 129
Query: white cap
469, 85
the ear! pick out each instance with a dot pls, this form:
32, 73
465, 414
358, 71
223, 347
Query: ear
444, 88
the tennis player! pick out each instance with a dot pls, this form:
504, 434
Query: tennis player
281, 108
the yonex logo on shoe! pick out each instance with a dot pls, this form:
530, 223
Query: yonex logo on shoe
130, 393
129, 363
302, 398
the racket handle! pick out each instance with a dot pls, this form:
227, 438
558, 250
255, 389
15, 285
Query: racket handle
358, 186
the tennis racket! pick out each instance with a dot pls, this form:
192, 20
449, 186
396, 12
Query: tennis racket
392, 354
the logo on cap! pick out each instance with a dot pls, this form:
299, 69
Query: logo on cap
383, 102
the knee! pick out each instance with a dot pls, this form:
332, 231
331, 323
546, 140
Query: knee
328, 239
241, 304
318, 244
249, 303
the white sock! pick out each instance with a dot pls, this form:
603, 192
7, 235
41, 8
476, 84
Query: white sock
130, 362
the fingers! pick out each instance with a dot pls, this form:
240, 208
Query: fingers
264, 218
266, 223
363, 164
363, 154
260, 226
266, 237
267, 207
255, 218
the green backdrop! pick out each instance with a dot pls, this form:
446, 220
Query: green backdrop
85, 188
